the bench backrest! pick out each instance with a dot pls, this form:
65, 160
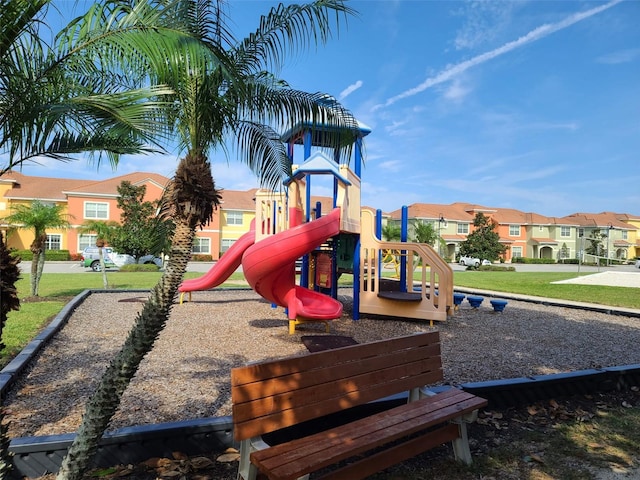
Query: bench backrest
275, 394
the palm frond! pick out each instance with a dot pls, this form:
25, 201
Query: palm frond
288, 29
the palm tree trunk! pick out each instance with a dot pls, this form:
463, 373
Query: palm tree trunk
105, 281
41, 261
34, 273
149, 323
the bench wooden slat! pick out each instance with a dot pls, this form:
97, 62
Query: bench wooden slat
261, 371
259, 388
298, 457
281, 393
389, 379
284, 418
394, 455
365, 426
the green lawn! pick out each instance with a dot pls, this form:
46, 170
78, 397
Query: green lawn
56, 289
539, 284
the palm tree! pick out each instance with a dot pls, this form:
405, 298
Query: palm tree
37, 217
103, 231
56, 103
223, 89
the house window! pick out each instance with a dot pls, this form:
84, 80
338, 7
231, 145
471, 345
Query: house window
96, 210
463, 228
540, 228
86, 240
201, 245
565, 231
54, 242
516, 252
226, 244
624, 234
581, 232
234, 218
514, 230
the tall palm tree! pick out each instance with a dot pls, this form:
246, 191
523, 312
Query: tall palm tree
39, 218
59, 102
223, 90
103, 230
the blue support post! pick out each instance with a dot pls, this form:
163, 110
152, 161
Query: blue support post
403, 253
358, 157
356, 282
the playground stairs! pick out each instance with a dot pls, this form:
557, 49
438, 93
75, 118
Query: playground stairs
424, 270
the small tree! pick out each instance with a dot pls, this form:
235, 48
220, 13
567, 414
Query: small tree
391, 232
564, 252
484, 241
596, 243
37, 217
137, 234
425, 233
104, 231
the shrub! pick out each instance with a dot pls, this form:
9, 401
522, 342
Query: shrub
496, 268
139, 267
54, 255
199, 257
532, 260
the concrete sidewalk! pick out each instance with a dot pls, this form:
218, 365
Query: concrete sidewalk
607, 278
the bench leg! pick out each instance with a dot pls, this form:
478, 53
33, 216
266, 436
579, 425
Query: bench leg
461, 444
246, 469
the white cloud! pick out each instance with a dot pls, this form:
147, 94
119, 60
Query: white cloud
623, 56
349, 90
483, 21
534, 35
456, 92
390, 165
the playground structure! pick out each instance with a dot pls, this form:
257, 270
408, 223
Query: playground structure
287, 228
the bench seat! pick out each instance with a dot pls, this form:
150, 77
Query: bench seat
296, 458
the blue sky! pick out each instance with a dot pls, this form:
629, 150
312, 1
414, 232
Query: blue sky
533, 105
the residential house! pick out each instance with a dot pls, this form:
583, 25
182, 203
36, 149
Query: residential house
620, 234
526, 234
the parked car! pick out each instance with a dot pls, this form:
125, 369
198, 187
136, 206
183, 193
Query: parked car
473, 262
638, 263
91, 259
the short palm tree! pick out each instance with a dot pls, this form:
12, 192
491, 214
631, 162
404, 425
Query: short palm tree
103, 231
37, 217
223, 89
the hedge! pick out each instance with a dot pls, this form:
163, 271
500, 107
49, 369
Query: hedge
532, 260
54, 255
139, 267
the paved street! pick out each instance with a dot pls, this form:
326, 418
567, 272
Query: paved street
623, 275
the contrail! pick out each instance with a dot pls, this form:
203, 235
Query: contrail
532, 36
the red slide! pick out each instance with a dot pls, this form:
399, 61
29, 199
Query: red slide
269, 267
223, 268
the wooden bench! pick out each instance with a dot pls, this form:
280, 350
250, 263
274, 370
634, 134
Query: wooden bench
282, 393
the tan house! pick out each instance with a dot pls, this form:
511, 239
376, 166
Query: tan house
526, 234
